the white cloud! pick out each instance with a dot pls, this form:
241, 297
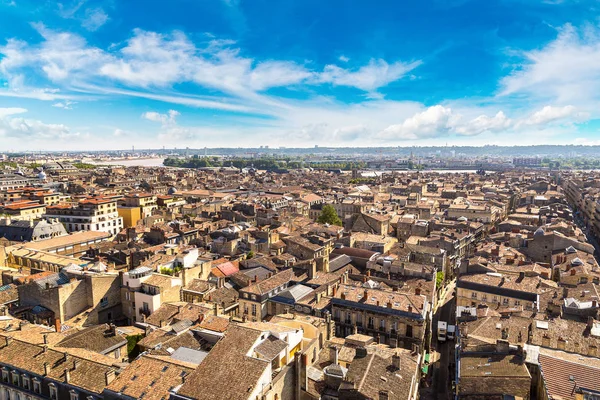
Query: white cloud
565, 70
277, 73
550, 114
483, 123
94, 19
68, 12
343, 58
167, 119
120, 132
29, 129
156, 60
61, 56
434, 121
5, 112
65, 105
376, 74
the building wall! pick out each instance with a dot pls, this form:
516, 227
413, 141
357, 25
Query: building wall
246, 305
360, 320
73, 299
130, 215
107, 287
466, 298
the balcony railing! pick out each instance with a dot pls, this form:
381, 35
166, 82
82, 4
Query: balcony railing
145, 311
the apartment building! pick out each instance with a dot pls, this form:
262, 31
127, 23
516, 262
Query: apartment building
35, 371
153, 292
495, 289
253, 299
392, 317
13, 181
24, 209
90, 214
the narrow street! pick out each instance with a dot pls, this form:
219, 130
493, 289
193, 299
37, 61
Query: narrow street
442, 353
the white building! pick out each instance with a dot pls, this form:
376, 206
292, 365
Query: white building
92, 214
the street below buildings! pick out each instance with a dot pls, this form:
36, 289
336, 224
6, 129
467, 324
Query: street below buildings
442, 353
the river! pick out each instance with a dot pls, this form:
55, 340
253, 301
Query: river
134, 162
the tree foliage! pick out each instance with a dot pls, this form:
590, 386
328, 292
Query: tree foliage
329, 216
439, 279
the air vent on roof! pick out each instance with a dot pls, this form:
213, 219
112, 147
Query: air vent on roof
576, 261
541, 325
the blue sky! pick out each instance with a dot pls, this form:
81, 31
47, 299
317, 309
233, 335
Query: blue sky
89, 74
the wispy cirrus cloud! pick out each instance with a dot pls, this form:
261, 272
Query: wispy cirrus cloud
154, 66
370, 77
565, 70
91, 18
151, 59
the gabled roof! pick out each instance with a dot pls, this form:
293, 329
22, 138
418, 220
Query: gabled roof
563, 378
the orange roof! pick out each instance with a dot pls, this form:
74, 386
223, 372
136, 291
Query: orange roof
60, 206
139, 195
96, 200
21, 205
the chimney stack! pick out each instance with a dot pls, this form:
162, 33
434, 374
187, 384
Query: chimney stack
67, 375
109, 376
396, 361
46, 369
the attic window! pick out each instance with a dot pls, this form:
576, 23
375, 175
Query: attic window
165, 368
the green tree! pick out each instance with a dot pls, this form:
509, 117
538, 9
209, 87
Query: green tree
132, 348
439, 279
250, 255
329, 216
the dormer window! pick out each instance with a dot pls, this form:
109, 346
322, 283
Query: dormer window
4, 375
53, 391
73, 395
37, 387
